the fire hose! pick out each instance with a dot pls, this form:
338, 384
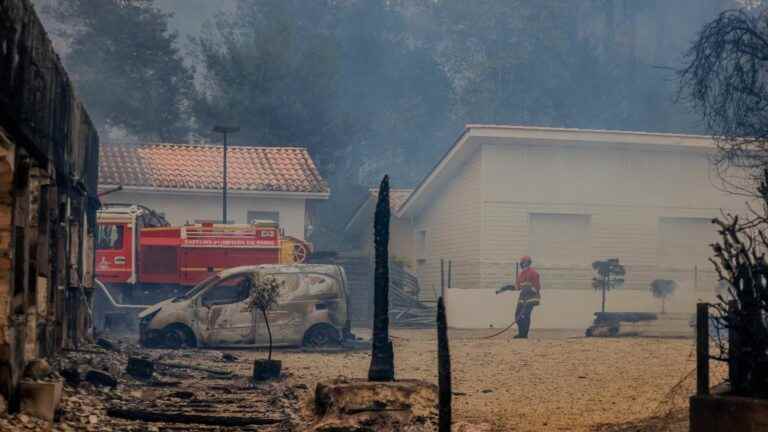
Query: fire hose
499, 291
112, 301
500, 332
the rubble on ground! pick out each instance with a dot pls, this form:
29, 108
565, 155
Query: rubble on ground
344, 405
405, 308
165, 390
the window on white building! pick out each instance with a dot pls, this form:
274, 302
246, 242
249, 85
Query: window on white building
258, 215
421, 244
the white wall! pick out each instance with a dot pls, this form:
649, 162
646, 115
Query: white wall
625, 191
560, 309
452, 226
182, 208
627, 194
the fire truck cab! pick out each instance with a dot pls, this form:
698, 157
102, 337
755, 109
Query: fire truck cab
117, 237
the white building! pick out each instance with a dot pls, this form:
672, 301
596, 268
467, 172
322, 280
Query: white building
184, 182
566, 197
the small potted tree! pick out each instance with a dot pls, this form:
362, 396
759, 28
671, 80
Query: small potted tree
609, 275
264, 293
663, 289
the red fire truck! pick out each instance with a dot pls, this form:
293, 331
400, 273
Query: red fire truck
141, 259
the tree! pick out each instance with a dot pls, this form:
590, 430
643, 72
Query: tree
662, 289
272, 68
127, 67
609, 275
739, 259
725, 81
265, 291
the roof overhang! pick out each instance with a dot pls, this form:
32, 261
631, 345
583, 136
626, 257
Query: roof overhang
474, 136
368, 206
214, 192
358, 217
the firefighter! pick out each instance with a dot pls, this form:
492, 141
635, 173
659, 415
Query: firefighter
529, 285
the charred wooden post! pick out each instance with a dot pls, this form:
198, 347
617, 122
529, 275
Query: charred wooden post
702, 349
734, 362
443, 370
382, 357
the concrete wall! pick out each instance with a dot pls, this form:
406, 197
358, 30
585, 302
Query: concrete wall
560, 309
182, 208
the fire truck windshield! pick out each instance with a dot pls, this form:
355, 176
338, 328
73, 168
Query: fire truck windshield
109, 236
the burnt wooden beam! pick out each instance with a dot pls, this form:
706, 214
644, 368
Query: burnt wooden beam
194, 368
185, 418
382, 356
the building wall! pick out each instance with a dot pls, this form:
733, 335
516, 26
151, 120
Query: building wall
450, 229
48, 175
627, 194
401, 238
186, 208
649, 208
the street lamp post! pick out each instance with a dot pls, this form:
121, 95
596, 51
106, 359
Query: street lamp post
225, 130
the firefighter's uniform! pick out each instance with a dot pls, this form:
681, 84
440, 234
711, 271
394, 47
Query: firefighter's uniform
529, 284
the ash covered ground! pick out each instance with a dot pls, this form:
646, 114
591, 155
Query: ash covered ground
555, 381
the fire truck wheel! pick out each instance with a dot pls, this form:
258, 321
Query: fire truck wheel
299, 253
321, 335
177, 336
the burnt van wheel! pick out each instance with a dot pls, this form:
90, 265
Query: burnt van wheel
177, 337
321, 336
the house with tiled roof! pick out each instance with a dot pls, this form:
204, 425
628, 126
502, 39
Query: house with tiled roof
184, 182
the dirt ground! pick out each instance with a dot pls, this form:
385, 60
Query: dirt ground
554, 381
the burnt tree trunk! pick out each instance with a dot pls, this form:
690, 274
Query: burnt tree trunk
269, 332
382, 358
443, 370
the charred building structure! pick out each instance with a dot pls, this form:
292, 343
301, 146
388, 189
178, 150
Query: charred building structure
48, 179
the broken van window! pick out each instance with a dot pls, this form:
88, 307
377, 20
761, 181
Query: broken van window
231, 290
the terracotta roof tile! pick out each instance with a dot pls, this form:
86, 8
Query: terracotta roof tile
182, 166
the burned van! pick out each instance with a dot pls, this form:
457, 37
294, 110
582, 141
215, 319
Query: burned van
311, 310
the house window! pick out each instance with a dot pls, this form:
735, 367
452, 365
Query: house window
421, 244
271, 216
560, 239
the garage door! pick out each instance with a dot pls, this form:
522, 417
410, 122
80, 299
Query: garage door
560, 239
684, 242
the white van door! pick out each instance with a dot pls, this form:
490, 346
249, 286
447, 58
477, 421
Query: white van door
229, 321
287, 317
